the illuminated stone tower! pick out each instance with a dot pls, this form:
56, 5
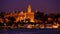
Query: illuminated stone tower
30, 14
29, 8
20, 17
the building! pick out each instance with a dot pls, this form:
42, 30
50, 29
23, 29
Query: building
27, 15
30, 14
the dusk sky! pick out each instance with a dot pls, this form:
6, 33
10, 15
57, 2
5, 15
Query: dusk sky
46, 6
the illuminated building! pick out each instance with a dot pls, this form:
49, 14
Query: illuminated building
23, 15
1, 19
30, 14
27, 15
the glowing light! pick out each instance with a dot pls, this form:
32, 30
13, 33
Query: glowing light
29, 26
55, 25
29, 8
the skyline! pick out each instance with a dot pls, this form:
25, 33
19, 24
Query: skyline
46, 6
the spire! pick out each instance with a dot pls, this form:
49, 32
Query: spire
13, 11
36, 10
29, 8
22, 12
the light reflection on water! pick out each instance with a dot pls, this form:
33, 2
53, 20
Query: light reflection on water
29, 31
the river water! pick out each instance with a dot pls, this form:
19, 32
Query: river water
30, 31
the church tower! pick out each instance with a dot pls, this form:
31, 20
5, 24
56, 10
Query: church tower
29, 8
30, 14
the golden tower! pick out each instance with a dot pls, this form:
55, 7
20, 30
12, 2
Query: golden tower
30, 14
29, 8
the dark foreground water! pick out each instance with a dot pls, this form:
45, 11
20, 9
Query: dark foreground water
30, 31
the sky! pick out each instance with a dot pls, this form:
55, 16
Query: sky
46, 6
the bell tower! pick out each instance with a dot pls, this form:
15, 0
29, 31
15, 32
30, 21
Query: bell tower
29, 8
29, 13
